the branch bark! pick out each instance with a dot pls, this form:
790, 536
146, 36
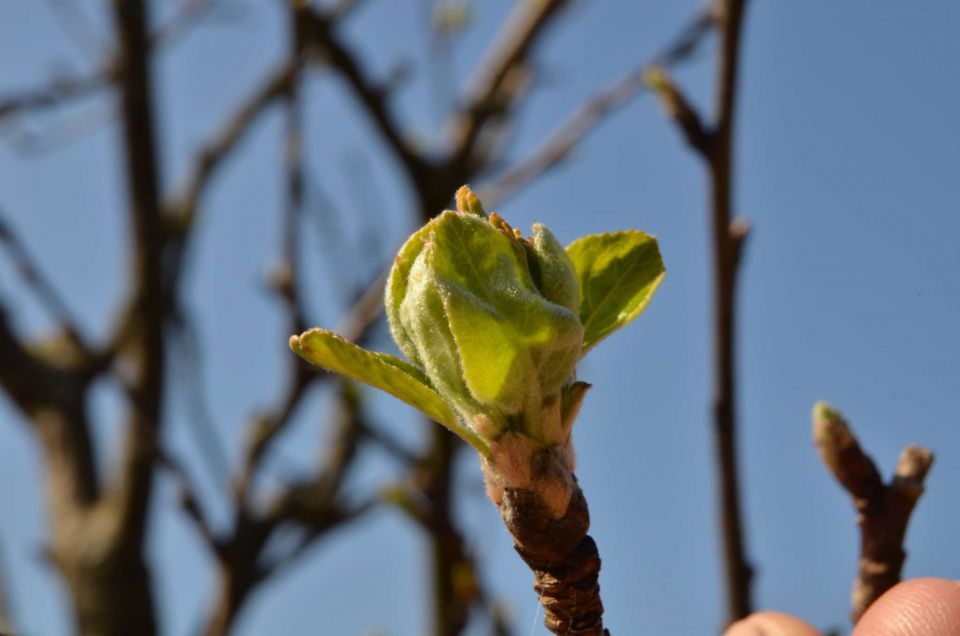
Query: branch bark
883, 509
553, 541
726, 256
715, 146
106, 571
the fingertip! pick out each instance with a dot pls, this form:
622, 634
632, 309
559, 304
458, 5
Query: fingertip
919, 606
770, 624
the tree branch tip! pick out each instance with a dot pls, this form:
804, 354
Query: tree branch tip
279, 277
914, 463
656, 78
830, 430
739, 229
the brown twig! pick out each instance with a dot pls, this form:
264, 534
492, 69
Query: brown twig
489, 91
214, 152
57, 92
427, 501
315, 505
883, 509
320, 30
715, 146
560, 143
726, 256
41, 287
65, 89
7, 622
189, 500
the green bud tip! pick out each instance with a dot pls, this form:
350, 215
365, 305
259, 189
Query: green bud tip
467, 201
656, 78
829, 427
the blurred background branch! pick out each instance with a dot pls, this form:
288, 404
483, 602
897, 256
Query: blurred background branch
102, 393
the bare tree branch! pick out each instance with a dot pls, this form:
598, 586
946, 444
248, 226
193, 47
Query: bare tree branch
557, 147
883, 509
57, 92
320, 28
215, 151
486, 95
65, 89
189, 500
41, 287
7, 622
738, 572
681, 111
715, 147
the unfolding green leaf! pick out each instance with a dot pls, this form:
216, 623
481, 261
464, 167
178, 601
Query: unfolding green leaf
551, 268
515, 346
397, 284
618, 273
398, 378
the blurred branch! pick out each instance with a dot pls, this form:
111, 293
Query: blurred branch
883, 509
490, 94
393, 447
714, 145
215, 151
75, 24
7, 623
189, 500
41, 287
727, 242
681, 111
427, 501
187, 362
558, 146
60, 90
285, 279
320, 29
343, 8
455, 579
315, 505
65, 89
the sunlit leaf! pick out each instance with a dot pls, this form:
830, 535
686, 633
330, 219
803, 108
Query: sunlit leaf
388, 373
618, 273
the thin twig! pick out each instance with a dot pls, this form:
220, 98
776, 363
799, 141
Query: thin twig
65, 89
7, 622
215, 151
509, 51
883, 509
189, 499
320, 28
557, 147
41, 287
726, 256
57, 92
715, 146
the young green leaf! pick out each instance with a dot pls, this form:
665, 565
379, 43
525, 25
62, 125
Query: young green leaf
618, 273
397, 284
398, 378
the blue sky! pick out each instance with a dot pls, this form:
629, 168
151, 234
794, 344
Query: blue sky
847, 147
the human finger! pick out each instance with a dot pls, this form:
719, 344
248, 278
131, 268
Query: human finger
930, 607
771, 624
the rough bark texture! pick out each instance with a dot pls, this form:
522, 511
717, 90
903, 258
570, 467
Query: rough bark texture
563, 557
